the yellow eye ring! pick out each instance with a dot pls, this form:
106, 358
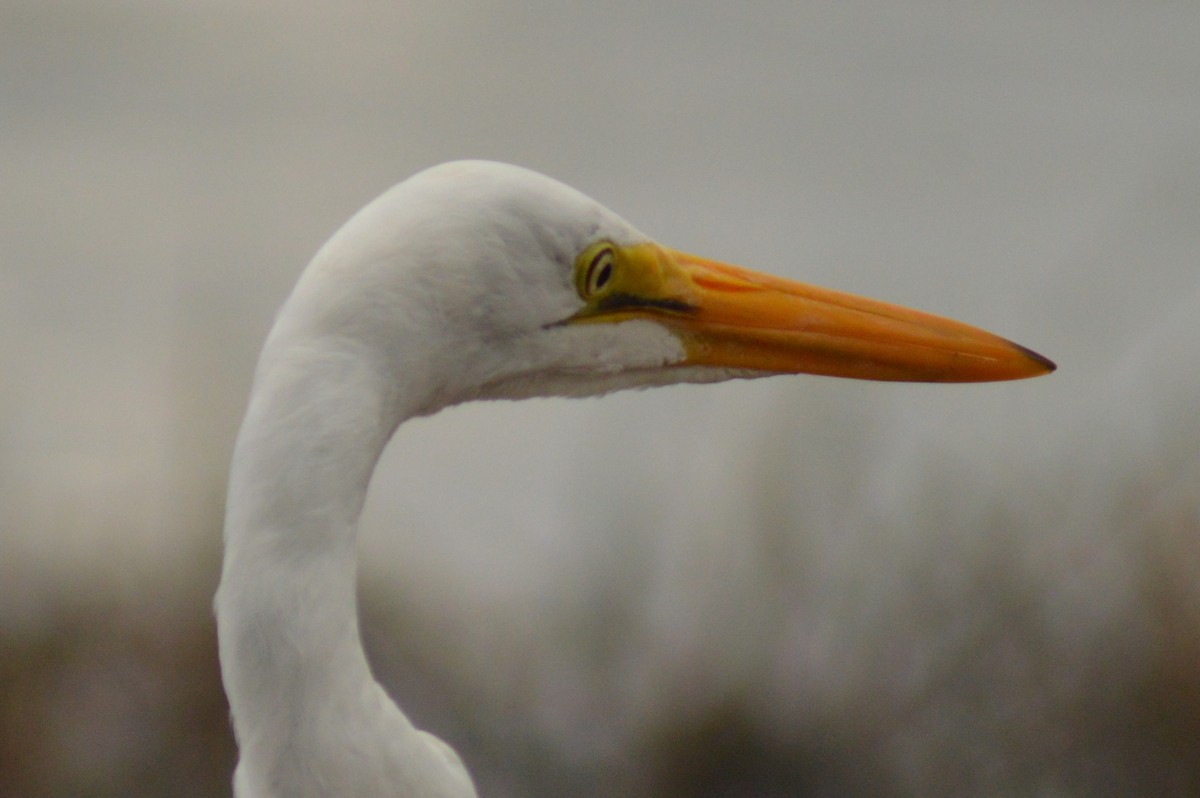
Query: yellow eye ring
595, 273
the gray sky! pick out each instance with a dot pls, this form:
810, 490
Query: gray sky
170, 168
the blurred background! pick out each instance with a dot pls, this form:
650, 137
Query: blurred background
780, 588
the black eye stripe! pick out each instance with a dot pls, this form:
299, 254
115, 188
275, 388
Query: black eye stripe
618, 302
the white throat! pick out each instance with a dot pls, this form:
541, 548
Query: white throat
292, 660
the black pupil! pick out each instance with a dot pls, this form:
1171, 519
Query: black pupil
604, 273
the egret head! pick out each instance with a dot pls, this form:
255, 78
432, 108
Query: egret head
517, 286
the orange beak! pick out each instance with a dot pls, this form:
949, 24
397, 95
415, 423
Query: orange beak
731, 317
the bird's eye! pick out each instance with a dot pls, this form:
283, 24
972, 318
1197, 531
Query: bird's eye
598, 273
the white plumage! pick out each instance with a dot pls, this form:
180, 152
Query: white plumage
473, 280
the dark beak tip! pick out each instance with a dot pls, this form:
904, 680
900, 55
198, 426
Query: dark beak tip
1045, 363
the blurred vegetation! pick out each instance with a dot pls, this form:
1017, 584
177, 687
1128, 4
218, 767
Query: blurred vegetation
114, 700
126, 701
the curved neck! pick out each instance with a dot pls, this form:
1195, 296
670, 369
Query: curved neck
291, 656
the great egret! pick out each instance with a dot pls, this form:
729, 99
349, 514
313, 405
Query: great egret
475, 280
